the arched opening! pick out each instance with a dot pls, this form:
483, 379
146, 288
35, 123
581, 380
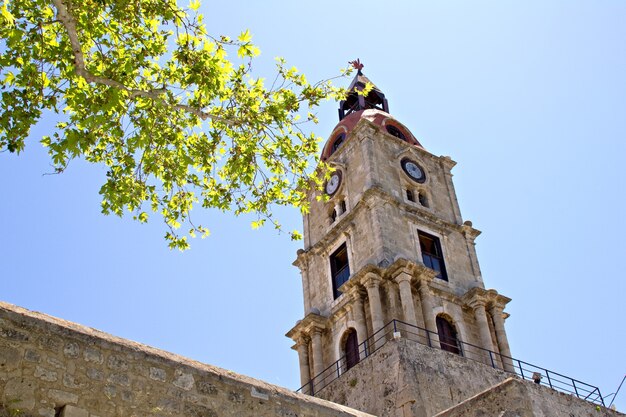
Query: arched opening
333, 216
351, 349
422, 199
447, 336
337, 142
409, 195
394, 131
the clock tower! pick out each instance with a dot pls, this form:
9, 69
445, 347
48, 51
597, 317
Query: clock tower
388, 257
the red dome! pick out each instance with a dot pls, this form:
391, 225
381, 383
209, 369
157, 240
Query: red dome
379, 118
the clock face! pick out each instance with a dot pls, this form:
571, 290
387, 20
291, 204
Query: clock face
333, 183
413, 170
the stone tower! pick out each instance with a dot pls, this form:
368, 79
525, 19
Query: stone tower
387, 253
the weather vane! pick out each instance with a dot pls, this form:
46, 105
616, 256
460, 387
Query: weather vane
356, 64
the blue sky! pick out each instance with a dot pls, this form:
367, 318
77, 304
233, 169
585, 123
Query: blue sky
528, 97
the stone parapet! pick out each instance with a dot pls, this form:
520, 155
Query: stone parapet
51, 367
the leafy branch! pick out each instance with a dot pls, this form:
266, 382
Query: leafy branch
143, 89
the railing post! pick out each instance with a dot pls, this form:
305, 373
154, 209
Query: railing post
521, 370
549, 380
602, 398
338, 369
493, 364
395, 327
428, 337
575, 389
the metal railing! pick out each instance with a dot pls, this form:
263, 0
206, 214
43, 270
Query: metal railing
398, 329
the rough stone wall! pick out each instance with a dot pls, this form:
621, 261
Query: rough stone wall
406, 379
50, 367
518, 398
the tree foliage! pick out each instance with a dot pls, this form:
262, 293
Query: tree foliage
141, 87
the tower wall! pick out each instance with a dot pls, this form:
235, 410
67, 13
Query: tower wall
407, 379
380, 213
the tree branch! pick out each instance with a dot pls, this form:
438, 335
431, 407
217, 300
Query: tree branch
67, 19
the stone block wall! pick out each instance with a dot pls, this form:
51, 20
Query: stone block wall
407, 379
515, 397
50, 367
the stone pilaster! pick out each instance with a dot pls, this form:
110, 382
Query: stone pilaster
503, 344
372, 284
303, 358
480, 313
358, 314
427, 300
406, 297
470, 235
392, 303
447, 163
318, 361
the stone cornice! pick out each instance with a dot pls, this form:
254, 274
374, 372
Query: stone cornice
359, 277
349, 287
469, 231
447, 162
489, 298
304, 327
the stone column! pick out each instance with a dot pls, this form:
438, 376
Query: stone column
303, 356
501, 339
483, 328
372, 284
406, 297
358, 315
316, 340
392, 295
428, 305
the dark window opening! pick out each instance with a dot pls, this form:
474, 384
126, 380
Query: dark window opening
339, 269
351, 349
432, 255
410, 196
333, 216
448, 339
394, 131
422, 199
342, 205
338, 141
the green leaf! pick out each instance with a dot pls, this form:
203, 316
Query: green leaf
245, 36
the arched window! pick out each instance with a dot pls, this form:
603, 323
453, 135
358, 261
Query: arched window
409, 195
447, 336
337, 142
394, 131
351, 349
422, 199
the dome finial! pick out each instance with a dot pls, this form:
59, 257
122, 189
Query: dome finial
355, 100
356, 64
